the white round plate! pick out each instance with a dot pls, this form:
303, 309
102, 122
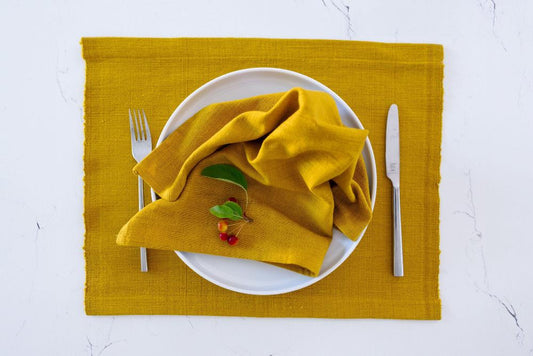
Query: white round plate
246, 276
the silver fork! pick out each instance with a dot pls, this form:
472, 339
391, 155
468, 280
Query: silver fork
141, 146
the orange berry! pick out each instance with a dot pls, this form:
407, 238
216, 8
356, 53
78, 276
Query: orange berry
222, 226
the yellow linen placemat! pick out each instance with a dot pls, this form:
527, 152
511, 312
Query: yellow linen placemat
157, 74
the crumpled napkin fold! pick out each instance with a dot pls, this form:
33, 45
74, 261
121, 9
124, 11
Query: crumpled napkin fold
304, 170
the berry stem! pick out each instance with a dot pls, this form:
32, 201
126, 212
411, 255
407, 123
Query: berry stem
239, 231
237, 225
246, 194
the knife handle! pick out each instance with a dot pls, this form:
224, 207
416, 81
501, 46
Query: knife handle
398, 251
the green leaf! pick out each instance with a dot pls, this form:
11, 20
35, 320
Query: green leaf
226, 211
226, 173
237, 210
222, 212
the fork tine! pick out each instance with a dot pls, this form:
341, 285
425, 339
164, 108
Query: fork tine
132, 128
138, 129
142, 133
136, 126
147, 128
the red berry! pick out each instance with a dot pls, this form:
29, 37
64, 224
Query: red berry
232, 199
232, 240
222, 226
223, 236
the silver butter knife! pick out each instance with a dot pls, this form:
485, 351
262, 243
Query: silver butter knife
392, 158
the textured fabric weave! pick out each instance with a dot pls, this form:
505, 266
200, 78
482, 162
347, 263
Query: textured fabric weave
290, 146
157, 74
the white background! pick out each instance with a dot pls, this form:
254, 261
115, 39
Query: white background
486, 191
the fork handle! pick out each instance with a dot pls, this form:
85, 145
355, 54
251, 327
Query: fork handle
141, 193
144, 259
398, 251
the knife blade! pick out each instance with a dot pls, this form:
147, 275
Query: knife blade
392, 160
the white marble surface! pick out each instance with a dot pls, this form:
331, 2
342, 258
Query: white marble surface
487, 177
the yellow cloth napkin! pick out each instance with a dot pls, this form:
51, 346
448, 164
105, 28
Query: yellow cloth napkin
368, 76
290, 146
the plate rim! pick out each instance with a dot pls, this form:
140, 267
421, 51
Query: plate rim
368, 146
